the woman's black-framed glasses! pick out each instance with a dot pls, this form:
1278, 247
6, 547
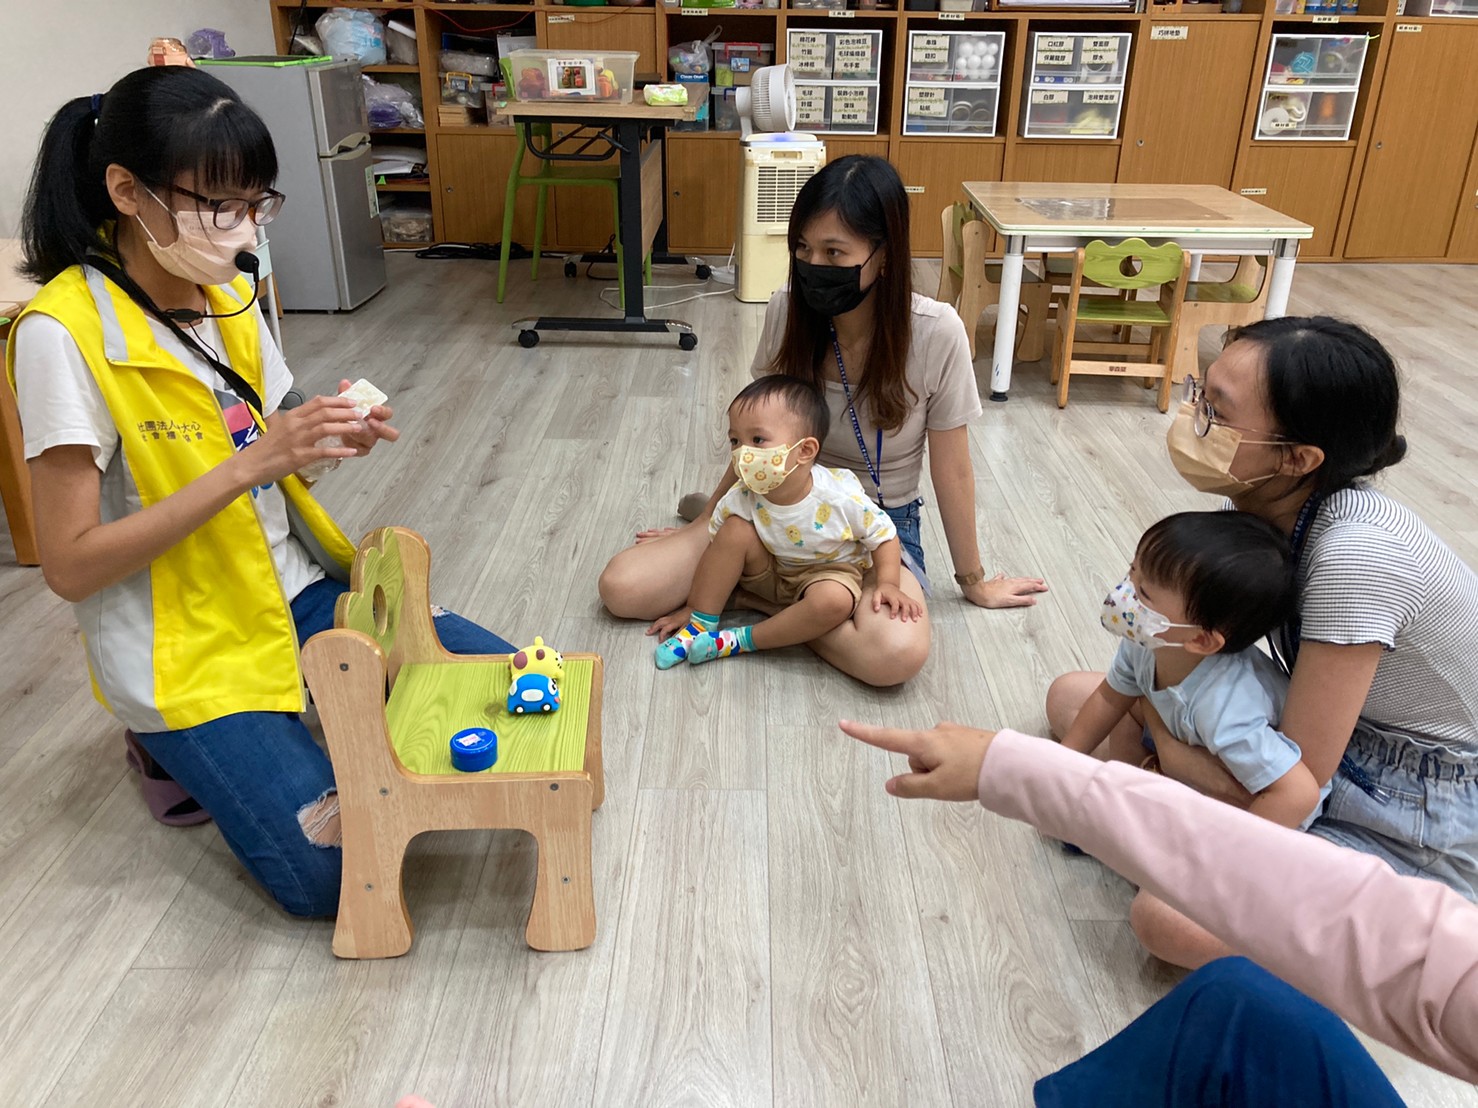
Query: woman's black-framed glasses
227, 214
1194, 394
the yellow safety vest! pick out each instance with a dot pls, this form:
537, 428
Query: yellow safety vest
205, 631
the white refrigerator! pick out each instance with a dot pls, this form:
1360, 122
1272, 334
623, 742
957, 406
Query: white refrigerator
327, 248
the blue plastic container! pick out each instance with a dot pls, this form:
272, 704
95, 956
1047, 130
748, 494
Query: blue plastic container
474, 749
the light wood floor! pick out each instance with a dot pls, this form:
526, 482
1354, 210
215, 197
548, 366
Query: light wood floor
773, 928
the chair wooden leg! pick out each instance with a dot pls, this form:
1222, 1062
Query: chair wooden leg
15, 481
1184, 359
1064, 366
373, 919
563, 913
1036, 299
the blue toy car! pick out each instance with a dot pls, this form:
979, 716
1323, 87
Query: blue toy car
533, 692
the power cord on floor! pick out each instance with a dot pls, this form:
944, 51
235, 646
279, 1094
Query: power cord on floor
610, 297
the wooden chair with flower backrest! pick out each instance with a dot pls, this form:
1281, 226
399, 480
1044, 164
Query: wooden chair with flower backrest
969, 284
390, 697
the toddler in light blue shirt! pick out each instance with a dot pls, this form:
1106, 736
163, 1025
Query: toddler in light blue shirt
1202, 589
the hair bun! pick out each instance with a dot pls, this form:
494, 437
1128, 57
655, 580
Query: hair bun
1394, 451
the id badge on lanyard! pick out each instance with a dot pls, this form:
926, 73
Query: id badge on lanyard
1285, 645
873, 461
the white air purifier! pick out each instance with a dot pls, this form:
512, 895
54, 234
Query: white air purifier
776, 164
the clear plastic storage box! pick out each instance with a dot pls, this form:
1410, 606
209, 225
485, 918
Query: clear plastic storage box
836, 76
1075, 88
954, 82
559, 74
1311, 87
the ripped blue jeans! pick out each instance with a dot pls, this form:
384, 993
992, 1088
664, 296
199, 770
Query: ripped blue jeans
255, 772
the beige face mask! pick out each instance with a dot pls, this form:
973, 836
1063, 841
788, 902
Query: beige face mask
1206, 463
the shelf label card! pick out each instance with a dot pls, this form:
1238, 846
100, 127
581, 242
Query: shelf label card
1096, 97
850, 106
571, 19
1409, 28
844, 13
1253, 192
952, 17
1054, 42
1054, 57
1326, 19
1164, 34
853, 56
914, 190
1106, 42
810, 104
930, 49
1100, 57
680, 11
928, 103
1049, 98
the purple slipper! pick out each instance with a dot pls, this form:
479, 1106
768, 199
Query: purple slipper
168, 802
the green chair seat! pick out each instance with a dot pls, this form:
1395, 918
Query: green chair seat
431, 703
1221, 292
993, 274
1121, 313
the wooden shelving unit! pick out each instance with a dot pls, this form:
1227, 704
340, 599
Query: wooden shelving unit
1403, 186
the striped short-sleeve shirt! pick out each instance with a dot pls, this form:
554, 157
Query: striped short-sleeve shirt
1372, 571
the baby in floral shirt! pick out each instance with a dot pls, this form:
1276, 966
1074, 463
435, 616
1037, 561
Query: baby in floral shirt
795, 534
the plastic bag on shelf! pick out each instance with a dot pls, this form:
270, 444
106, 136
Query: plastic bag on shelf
390, 105
691, 59
209, 43
352, 33
400, 43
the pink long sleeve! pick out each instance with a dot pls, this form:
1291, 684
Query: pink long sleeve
1396, 956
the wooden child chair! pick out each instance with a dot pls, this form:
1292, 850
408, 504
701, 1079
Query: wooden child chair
1130, 266
970, 285
1234, 303
390, 698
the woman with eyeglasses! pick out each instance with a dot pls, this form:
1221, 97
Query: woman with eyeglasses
164, 467
1292, 422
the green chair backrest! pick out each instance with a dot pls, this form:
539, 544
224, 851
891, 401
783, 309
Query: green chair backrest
375, 606
1131, 264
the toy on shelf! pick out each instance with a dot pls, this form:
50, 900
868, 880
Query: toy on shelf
474, 750
533, 692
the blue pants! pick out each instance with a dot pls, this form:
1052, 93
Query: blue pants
1231, 1035
254, 771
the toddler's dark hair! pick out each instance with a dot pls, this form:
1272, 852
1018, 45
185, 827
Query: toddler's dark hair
801, 398
1234, 570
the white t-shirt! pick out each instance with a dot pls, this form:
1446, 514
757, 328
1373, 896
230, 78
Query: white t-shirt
61, 405
834, 522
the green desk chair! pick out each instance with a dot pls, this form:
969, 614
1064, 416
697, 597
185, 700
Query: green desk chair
553, 174
970, 285
1130, 266
1234, 303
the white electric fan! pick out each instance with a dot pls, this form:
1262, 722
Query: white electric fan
776, 162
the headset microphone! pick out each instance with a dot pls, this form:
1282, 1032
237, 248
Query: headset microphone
248, 263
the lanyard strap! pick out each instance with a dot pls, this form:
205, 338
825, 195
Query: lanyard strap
874, 470
1285, 648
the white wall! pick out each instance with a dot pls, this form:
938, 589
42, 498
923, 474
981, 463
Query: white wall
57, 49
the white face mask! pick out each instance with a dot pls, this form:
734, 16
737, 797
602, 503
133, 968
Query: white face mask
200, 255
1127, 616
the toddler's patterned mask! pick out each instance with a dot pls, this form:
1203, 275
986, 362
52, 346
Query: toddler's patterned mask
762, 468
1125, 615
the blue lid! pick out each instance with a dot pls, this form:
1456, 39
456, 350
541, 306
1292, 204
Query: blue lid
474, 749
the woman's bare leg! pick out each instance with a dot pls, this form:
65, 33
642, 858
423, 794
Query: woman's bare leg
874, 648
650, 579
1171, 936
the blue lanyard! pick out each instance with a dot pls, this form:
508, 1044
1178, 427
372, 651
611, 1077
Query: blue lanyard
875, 471
1285, 648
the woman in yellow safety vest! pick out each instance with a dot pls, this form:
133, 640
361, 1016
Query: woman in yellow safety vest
164, 466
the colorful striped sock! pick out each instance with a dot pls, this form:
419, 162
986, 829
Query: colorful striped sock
674, 650
720, 644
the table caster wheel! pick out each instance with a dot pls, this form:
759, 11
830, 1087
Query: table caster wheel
528, 339
703, 272
687, 341
571, 269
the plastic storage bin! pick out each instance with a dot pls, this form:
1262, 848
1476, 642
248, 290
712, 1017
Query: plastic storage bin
1468, 8
405, 223
1311, 87
836, 79
1075, 88
573, 74
954, 82
734, 63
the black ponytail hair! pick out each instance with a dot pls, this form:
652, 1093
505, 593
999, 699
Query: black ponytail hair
161, 123
1330, 384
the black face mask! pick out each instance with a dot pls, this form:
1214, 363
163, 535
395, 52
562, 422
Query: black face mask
831, 290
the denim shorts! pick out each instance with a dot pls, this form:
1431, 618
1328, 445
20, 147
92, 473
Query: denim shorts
1412, 806
906, 519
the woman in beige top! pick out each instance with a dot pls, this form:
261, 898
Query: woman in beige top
897, 362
